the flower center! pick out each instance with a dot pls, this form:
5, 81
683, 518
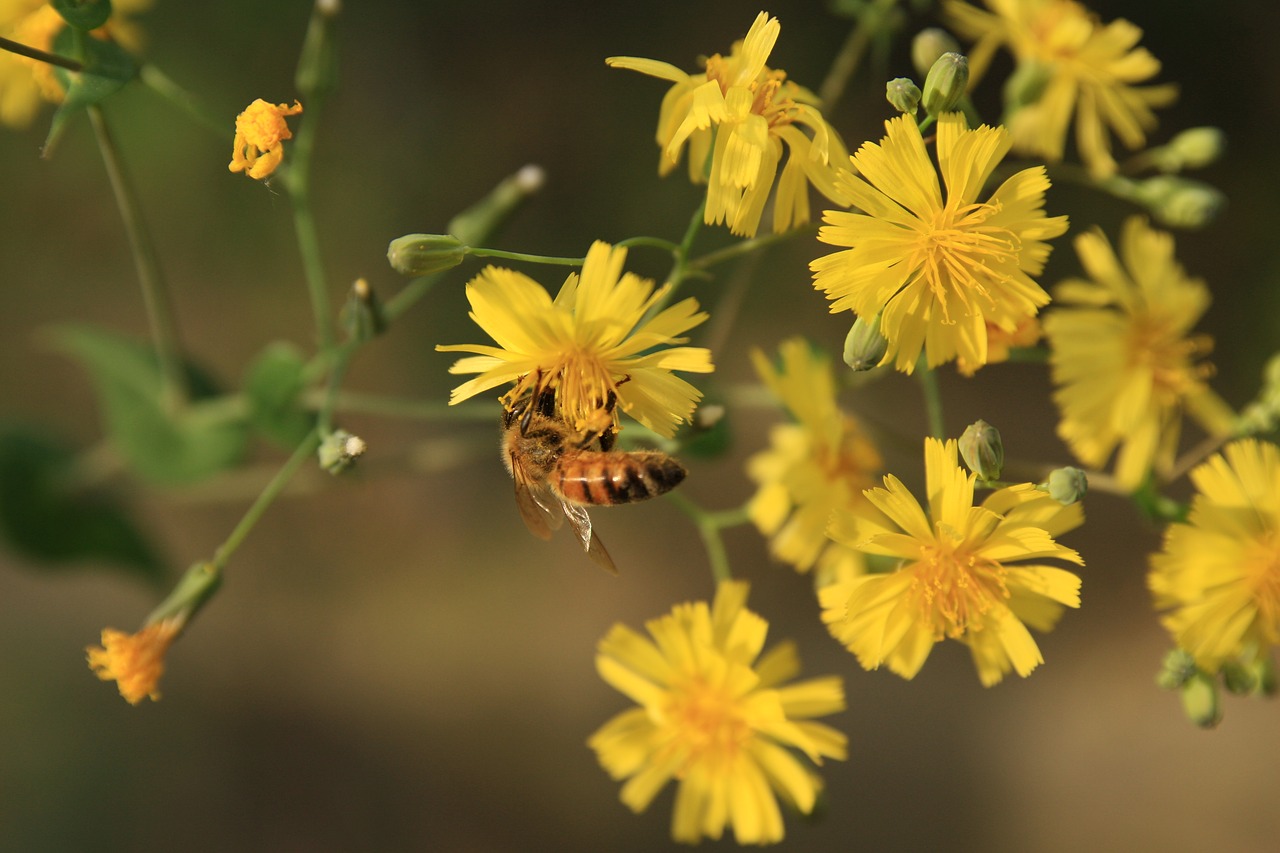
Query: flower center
958, 255
955, 590
709, 723
1157, 346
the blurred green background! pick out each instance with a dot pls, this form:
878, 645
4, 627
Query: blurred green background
393, 662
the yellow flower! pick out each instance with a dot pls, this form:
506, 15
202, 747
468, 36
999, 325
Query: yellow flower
957, 577
134, 661
260, 133
26, 83
941, 269
1219, 574
821, 462
715, 716
591, 343
1122, 357
749, 112
1087, 68
1000, 342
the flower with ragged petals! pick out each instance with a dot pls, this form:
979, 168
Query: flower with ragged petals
1087, 69
1123, 358
743, 114
969, 573
813, 466
717, 717
1218, 575
25, 83
592, 344
941, 267
258, 147
135, 661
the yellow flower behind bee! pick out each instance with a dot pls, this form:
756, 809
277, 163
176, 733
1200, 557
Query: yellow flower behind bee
820, 463
717, 717
941, 267
594, 343
962, 573
134, 661
1085, 67
742, 114
1123, 357
1218, 574
261, 130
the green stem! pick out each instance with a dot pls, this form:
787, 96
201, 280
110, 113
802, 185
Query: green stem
337, 370
709, 525
155, 296
650, 242
394, 407
850, 55
157, 81
265, 499
521, 256
298, 182
932, 399
728, 253
40, 55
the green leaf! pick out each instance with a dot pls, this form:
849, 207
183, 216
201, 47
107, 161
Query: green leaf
204, 437
46, 517
272, 385
107, 67
83, 14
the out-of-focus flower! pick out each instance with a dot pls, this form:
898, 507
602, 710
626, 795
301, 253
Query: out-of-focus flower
718, 718
591, 344
962, 574
751, 112
942, 268
1123, 356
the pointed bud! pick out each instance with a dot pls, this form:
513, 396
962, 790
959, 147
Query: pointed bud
339, 451
1201, 702
903, 94
982, 450
946, 83
929, 44
423, 254
1179, 202
362, 315
864, 346
1193, 148
1065, 485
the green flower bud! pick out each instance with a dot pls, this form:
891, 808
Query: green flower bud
1194, 148
1025, 86
1201, 702
474, 225
339, 450
864, 346
982, 450
1179, 202
929, 44
946, 83
1066, 485
317, 72
1240, 680
422, 254
1177, 667
903, 94
362, 315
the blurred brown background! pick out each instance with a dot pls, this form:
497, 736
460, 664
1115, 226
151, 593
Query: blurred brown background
393, 663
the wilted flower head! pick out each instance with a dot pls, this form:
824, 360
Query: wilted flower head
261, 130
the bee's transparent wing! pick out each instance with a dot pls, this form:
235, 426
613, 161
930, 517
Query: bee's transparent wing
580, 521
539, 507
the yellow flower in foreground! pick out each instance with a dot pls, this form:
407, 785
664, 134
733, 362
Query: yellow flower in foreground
260, 134
820, 463
591, 342
1219, 574
1123, 357
134, 661
26, 83
1088, 68
941, 269
957, 577
751, 112
716, 717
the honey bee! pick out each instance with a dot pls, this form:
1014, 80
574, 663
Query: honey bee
559, 473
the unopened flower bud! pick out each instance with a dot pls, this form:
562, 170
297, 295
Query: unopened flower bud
1194, 148
864, 346
1180, 202
929, 44
474, 225
1201, 702
1240, 680
1025, 86
422, 254
362, 315
1177, 667
903, 94
946, 83
339, 450
1066, 485
317, 72
982, 450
